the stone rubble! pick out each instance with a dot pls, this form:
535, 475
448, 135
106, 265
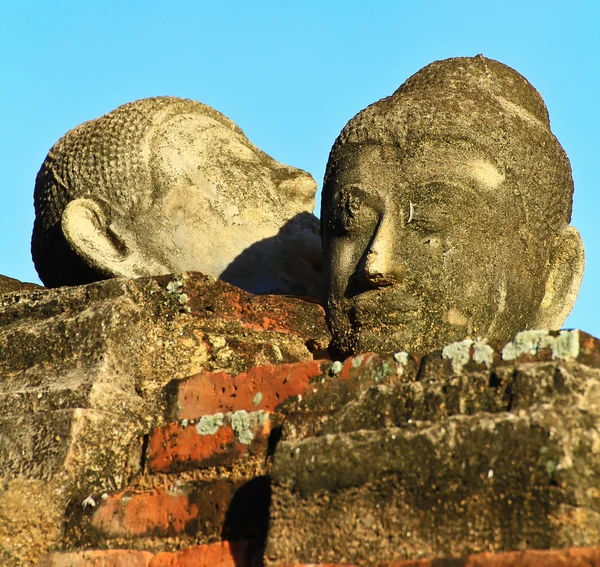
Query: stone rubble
141, 430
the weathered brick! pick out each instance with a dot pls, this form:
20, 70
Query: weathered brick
221, 508
261, 388
218, 439
373, 391
209, 298
98, 558
487, 481
153, 512
498, 452
220, 554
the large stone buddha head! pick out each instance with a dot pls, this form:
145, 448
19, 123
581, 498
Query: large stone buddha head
167, 185
445, 214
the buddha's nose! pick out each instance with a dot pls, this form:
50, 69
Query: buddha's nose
296, 184
378, 266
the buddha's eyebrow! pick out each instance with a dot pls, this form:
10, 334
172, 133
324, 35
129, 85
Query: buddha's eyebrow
443, 192
478, 175
370, 198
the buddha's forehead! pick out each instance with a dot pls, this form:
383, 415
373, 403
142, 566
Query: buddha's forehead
202, 140
502, 129
386, 168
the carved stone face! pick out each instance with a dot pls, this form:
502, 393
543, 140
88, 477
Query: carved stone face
167, 185
428, 238
219, 196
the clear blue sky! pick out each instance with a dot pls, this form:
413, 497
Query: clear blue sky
291, 74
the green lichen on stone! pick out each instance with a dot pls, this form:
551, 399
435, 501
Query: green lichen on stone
175, 287
244, 424
551, 467
526, 342
565, 346
379, 373
209, 424
482, 352
357, 361
401, 357
257, 398
335, 368
458, 353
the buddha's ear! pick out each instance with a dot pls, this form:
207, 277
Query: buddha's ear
564, 279
88, 233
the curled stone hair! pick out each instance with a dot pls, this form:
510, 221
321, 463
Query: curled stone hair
106, 159
485, 104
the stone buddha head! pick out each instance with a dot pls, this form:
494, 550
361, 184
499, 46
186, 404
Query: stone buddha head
445, 214
166, 185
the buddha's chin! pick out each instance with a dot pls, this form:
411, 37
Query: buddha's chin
385, 340
380, 339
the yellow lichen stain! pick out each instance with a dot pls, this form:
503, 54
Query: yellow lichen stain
456, 318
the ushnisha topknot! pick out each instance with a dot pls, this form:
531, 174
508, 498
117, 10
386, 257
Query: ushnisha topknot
477, 73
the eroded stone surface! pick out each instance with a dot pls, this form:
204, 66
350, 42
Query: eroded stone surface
84, 375
10, 284
573, 557
446, 210
429, 458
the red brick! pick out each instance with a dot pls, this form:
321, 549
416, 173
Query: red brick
580, 557
195, 508
99, 558
152, 512
572, 557
174, 447
220, 554
262, 387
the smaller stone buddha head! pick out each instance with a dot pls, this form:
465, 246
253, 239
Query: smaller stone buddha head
445, 214
165, 185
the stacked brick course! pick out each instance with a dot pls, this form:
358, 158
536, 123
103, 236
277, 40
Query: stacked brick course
240, 455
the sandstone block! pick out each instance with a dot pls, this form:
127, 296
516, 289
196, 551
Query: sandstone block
11, 284
143, 333
497, 453
573, 557
31, 514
